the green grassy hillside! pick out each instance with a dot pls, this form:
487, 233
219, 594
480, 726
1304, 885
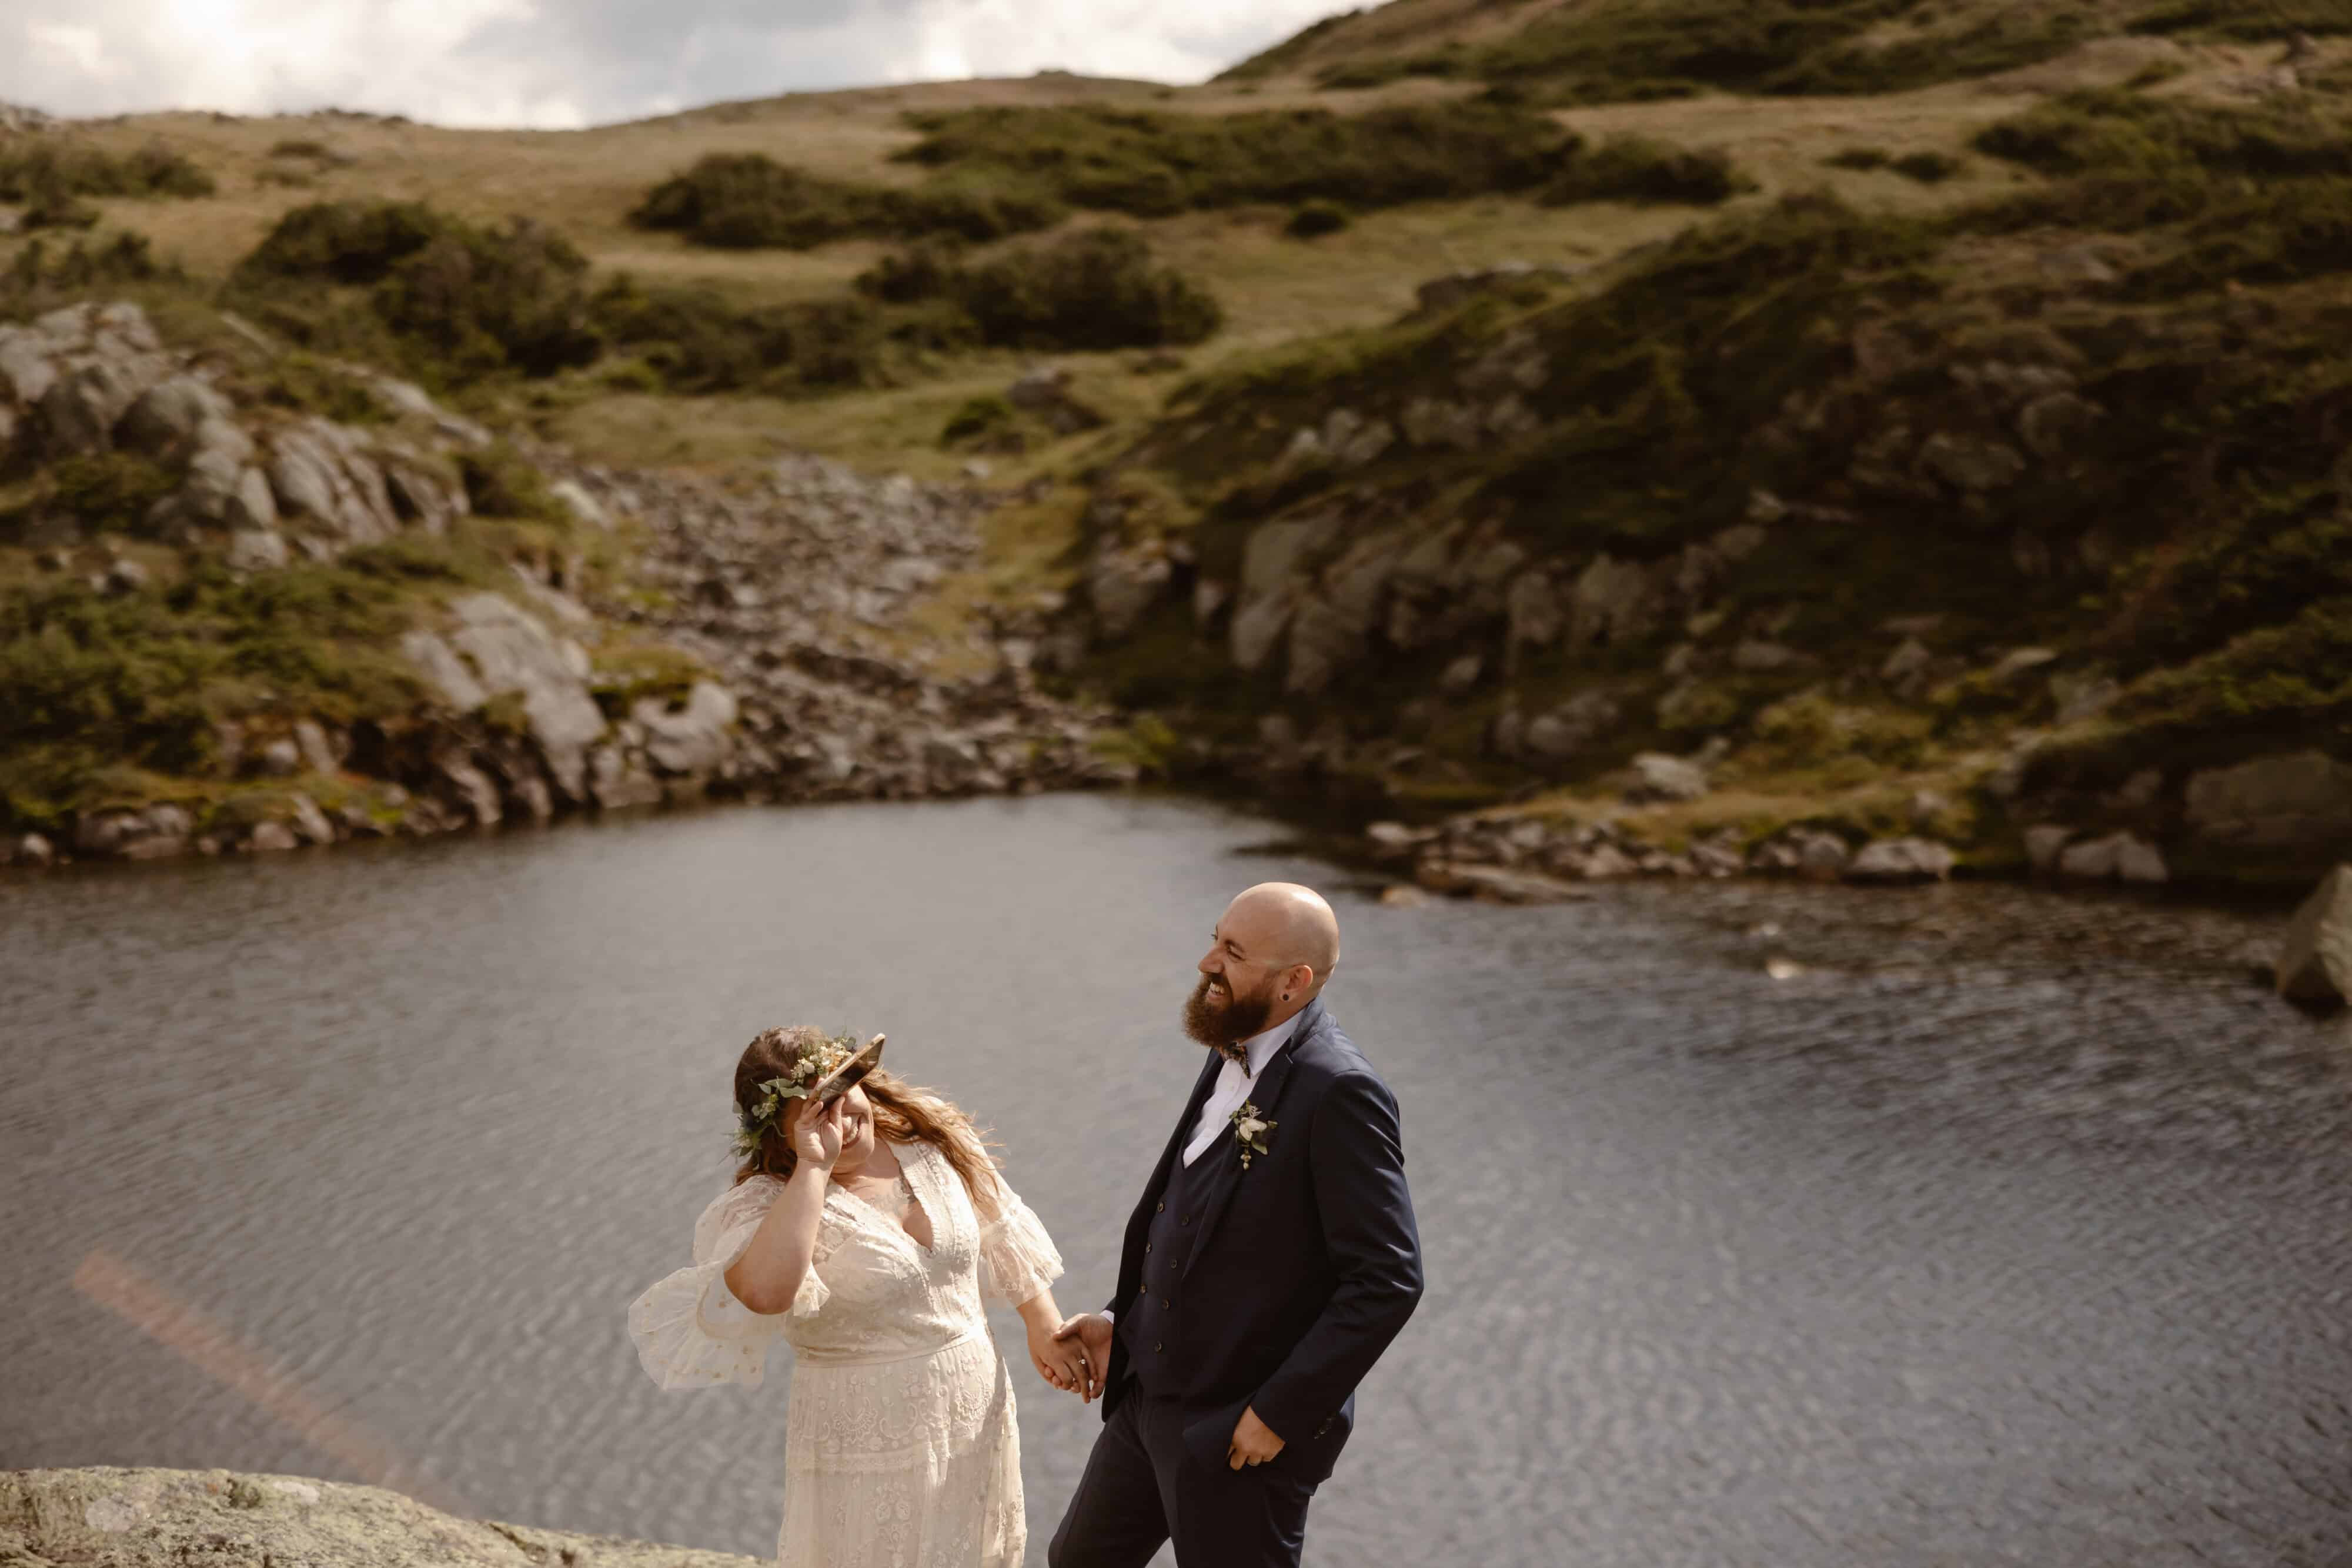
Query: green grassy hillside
1926, 414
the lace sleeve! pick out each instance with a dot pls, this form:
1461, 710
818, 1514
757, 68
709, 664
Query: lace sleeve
691, 1331
1017, 1258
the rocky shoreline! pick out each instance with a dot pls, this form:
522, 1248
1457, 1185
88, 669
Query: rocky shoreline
170, 1519
660, 637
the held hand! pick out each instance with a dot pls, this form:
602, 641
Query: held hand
816, 1132
1254, 1442
1058, 1362
1089, 1333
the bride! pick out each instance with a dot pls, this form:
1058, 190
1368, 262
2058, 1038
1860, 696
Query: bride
864, 1233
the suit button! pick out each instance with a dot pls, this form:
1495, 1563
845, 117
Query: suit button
1157, 1345
1161, 1209
1147, 1247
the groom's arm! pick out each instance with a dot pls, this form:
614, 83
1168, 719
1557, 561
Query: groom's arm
1356, 1149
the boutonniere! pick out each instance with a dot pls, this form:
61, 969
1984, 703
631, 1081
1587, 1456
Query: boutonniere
1250, 1128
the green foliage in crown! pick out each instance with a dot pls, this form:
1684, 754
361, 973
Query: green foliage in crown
813, 1063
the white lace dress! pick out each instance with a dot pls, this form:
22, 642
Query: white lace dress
899, 1446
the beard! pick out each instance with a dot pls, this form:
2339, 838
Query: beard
1217, 1018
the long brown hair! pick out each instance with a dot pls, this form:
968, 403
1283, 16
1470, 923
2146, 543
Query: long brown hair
902, 1114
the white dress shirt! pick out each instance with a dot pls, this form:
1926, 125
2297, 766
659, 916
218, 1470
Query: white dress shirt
1235, 1084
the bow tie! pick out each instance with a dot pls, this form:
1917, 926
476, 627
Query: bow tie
1232, 1052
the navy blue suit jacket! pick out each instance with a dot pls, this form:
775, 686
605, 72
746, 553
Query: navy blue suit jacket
1308, 1262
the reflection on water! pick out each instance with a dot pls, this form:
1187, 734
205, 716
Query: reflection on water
2008, 1229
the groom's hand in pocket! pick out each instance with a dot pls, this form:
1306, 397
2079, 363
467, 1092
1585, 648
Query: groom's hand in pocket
1088, 1334
1254, 1442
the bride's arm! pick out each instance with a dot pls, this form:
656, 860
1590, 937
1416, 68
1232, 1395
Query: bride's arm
769, 1274
1056, 1361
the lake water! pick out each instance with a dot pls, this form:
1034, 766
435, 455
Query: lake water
2016, 1229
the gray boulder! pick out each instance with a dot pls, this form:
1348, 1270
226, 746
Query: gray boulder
2043, 843
510, 652
1901, 860
1657, 777
2117, 857
257, 550
1495, 884
1572, 727
2295, 800
693, 741
2314, 963
170, 1518
1971, 462
1613, 601
1123, 583
168, 414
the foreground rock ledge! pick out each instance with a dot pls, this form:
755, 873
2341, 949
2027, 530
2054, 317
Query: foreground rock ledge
217, 1519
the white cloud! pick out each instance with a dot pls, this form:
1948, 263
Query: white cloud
553, 63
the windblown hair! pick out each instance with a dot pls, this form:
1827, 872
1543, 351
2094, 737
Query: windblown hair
902, 1114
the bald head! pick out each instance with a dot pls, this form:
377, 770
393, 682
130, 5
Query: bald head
1286, 925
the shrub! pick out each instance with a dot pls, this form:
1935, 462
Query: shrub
91, 682
988, 420
34, 168
300, 381
1636, 169
748, 200
37, 281
2109, 132
1096, 290
697, 340
459, 301
302, 147
1312, 220
1596, 52
1859, 158
1929, 168
499, 483
345, 242
1153, 164
109, 489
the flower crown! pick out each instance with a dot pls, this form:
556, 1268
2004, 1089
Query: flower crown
815, 1061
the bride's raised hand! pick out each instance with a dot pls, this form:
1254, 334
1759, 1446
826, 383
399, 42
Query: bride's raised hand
817, 1131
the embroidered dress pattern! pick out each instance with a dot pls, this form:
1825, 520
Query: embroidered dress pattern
900, 1448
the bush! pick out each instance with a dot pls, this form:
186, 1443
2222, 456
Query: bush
1864, 158
459, 301
110, 490
742, 200
1152, 165
1599, 52
345, 242
38, 168
2109, 132
748, 200
1929, 168
1636, 169
499, 483
697, 340
988, 422
37, 280
92, 684
1312, 220
1096, 290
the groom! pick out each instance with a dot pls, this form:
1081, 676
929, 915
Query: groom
1270, 1262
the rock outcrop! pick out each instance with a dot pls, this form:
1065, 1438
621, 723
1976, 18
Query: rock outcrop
168, 1519
2314, 963
767, 662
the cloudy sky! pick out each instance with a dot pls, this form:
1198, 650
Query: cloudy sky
577, 62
